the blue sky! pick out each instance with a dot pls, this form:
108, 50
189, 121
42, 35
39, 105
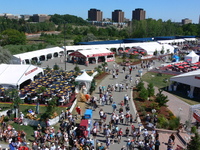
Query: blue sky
176, 10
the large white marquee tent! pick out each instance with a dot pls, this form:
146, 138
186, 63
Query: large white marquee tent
45, 54
11, 76
191, 78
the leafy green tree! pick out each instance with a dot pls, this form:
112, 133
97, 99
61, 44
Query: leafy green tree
5, 56
161, 99
93, 86
151, 90
143, 94
140, 85
89, 37
194, 143
12, 36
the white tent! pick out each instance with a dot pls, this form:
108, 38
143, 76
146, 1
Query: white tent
191, 78
192, 57
13, 75
84, 79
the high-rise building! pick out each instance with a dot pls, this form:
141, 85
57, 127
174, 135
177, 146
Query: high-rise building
138, 14
40, 18
118, 16
186, 21
95, 15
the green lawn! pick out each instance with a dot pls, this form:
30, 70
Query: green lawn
156, 78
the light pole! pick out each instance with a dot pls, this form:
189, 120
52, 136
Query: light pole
65, 44
179, 113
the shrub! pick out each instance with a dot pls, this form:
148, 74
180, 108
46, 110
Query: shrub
141, 108
143, 94
174, 123
6, 118
56, 67
76, 68
153, 105
194, 129
163, 122
144, 113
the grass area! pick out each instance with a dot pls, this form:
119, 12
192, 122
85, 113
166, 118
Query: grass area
25, 107
156, 78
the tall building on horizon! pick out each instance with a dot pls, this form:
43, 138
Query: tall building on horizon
95, 15
139, 14
186, 21
118, 16
199, 19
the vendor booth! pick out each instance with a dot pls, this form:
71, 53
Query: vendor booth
84, 82
12, 76
192, 57
91, 56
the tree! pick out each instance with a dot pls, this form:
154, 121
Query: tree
5, 56
93, 86
143, 94
161, 99
140, 85
12, 36
194, 143
151, 90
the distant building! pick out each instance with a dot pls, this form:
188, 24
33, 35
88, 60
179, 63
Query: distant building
10, 16
118, 16
40, 18
199, 19
25, 17
138, 14
186, 21
95, 15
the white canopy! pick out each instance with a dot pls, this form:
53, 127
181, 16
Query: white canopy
13, 75
85, 78
39, 53
191, 78
192, 57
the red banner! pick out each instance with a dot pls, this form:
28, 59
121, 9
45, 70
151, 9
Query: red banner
196, 115
29, 72
196, 77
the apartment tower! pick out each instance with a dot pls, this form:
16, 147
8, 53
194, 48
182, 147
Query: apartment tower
118, 16
95, 15
138, 14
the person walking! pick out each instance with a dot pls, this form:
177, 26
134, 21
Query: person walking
114, 106
157, 144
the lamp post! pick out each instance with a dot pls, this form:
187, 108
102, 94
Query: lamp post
179, 113
65, 44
